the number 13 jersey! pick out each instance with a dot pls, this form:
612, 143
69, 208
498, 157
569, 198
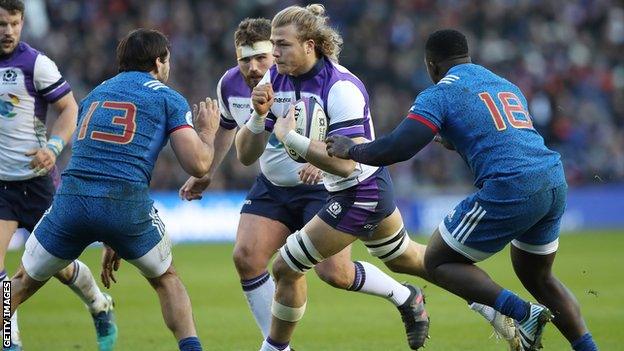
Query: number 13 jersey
122, 126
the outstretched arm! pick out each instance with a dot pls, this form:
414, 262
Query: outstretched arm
400, 145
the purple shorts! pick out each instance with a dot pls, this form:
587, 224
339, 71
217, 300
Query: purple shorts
359, 210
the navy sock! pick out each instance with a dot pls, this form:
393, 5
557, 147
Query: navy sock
360, 277
585, 343
511, 305
254, 283
276, 344
3, 274
190, 344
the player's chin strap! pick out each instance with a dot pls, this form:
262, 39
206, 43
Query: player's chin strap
389, 248
299, 252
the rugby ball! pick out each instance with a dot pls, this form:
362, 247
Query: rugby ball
310, 121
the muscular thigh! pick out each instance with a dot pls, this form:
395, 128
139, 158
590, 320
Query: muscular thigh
259, 236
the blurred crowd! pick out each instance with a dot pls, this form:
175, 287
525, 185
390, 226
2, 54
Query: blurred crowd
566, 56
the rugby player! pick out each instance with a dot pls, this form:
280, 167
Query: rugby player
521, 194
30, 82
104, 195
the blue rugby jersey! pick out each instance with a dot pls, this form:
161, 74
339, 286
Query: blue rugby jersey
485, 117
122, 126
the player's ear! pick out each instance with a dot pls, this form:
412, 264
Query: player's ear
309, 46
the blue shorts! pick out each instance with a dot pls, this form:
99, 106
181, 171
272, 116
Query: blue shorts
294, 206
25, 201
358, 210
479, 227
131, 228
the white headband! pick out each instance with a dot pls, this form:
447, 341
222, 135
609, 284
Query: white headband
259, 47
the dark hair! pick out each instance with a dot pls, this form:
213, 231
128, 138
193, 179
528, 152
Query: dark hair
446, 43
13, 6
252, 30
138, 50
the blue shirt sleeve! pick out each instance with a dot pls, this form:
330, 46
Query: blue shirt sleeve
178, 112
428, 108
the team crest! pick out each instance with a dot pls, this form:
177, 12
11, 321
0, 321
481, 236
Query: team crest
9, 76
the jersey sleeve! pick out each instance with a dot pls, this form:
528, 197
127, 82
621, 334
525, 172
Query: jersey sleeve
48, 81
428, 108
178, 112
346, 110
227, 121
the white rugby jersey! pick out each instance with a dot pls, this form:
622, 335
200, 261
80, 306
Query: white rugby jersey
344, 99
234, 97
29, 81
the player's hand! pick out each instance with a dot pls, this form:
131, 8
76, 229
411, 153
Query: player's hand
438, 139
206, 116
110, 264
339, 145
43, 160
310, 175
194, 187
285, 124
262, 98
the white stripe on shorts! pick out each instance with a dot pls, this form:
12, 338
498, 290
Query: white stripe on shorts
545, 249
481, 214
466, 221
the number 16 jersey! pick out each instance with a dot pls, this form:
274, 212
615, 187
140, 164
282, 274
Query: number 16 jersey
485, 117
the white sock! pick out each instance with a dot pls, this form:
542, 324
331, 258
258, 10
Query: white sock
486, 311
268, 347
15, 335
371, 280
259, 292
84, 285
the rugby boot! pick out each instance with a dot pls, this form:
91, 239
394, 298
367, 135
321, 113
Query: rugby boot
532, 327
105, 327
415, 317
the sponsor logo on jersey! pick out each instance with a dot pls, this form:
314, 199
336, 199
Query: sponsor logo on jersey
334, 209
281, 100
8, 105
241, 106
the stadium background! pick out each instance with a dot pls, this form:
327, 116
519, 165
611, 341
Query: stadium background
566, 56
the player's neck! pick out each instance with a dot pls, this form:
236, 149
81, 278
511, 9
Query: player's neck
305, 68
446, 66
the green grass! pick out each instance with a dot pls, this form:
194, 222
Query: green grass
55, 319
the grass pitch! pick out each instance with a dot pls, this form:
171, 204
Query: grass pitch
55, 319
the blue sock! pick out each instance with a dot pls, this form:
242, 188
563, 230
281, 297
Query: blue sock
3, 274
585, 343
511, 305
276, 344
190, 344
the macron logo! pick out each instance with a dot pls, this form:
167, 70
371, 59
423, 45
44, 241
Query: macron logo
154, 84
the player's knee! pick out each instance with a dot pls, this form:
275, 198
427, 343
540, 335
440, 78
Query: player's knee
299, 253
281, 270
248, 262
170, 276
389, 248
336, 275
